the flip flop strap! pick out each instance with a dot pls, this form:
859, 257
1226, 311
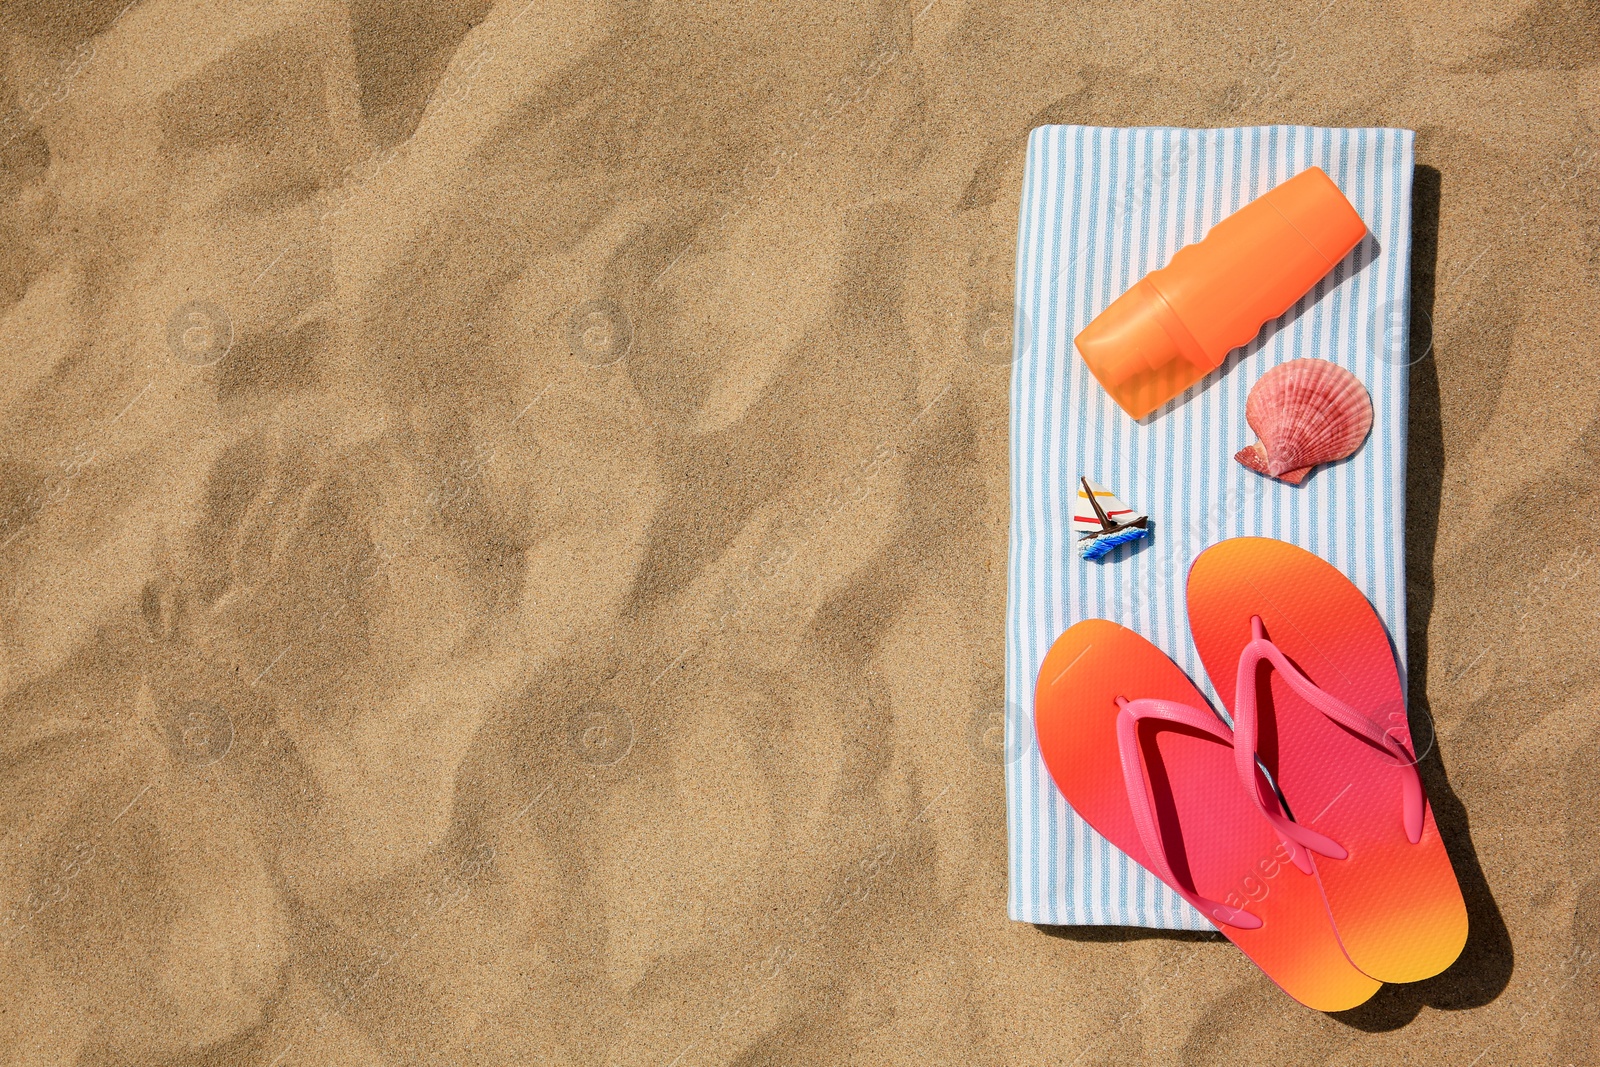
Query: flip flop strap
1245, 726
1143, 804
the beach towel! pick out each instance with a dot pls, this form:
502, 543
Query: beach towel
1101, 208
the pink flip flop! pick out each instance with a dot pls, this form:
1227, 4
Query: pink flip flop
1304, 666
1139, 755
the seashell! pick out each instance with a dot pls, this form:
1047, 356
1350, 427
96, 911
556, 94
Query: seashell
1305, 412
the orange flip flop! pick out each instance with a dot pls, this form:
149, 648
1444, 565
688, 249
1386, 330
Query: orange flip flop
1137, 752
1304, 666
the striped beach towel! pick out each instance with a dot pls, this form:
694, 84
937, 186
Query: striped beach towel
1101, 208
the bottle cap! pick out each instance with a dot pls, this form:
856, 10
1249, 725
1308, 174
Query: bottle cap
1140, 352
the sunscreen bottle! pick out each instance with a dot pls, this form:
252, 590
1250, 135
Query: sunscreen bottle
1178, 323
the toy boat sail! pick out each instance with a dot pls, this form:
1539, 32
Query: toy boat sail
1103, 522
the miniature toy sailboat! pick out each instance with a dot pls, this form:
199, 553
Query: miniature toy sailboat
1109, 523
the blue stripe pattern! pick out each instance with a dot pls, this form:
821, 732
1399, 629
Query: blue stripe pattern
1102, 207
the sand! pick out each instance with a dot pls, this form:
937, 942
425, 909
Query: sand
505, 511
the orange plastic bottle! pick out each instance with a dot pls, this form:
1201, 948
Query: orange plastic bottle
1179, 323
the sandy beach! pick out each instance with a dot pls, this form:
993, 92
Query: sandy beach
503, 528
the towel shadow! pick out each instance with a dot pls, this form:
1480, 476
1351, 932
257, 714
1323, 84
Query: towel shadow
1116, 935
1484, 968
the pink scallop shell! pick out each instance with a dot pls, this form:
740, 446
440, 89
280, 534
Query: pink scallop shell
1305, 412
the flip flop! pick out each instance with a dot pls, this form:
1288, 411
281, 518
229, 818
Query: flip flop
1304, 666
1137, 752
